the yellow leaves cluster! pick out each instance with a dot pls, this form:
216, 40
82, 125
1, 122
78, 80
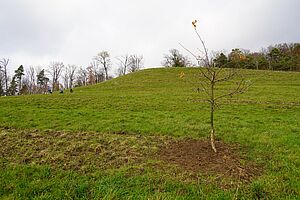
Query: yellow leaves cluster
194, 23
181, 75
242, 57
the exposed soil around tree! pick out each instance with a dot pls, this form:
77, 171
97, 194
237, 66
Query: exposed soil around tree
198, 156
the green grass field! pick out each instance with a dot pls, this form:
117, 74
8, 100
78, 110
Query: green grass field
102, 141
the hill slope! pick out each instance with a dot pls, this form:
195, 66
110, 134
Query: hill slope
149, 110
156, 101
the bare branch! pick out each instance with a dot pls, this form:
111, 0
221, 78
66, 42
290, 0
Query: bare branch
204, 89
205, 75
230, 75
196, 57
240, 88
205, 49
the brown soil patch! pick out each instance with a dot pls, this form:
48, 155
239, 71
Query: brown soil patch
197, 156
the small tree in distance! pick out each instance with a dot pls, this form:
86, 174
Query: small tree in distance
210, 77
136, 62
103, 59
19, 73
55, 71
42, 81
124, 64
130, 64
175, 59
3, 67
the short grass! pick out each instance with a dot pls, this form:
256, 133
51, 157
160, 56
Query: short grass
143, 110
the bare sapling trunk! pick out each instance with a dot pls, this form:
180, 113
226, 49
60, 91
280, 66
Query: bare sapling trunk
212, 110
212, 140
212, 132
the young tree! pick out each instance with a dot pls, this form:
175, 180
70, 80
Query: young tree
103, 59
210, 78
175, 59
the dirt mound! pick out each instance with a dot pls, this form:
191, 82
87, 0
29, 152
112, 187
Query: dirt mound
197, 156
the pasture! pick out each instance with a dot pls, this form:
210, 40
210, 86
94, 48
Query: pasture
144, 136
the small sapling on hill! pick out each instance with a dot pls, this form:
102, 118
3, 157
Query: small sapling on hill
210, 77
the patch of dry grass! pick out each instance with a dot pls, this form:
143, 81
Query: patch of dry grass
76, 151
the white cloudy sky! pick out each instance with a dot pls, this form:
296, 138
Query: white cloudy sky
35, 32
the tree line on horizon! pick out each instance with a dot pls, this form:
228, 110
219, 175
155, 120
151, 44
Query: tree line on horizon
58, 76
280, 57
36, 80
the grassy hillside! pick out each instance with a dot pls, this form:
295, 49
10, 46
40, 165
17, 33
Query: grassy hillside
146, 110
135, 102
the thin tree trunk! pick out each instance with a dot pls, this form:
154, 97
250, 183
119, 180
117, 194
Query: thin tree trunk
6, 81
106, 73
20, 86
212, 106
212, 133
124, 70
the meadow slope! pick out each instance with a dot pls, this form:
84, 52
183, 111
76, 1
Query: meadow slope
146, 110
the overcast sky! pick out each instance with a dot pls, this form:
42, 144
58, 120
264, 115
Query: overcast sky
35, 32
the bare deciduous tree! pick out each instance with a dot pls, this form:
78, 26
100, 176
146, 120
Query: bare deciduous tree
71, 70
30, 76
136, 62
97, 71
123, 65
65, 78
103, 59
55, 71
91, 75
211, 77
4, 63
82, 76
69, 76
